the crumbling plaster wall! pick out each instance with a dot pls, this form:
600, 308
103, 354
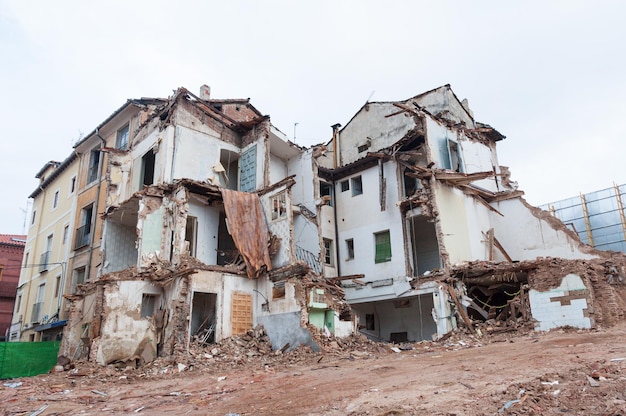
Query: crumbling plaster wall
225, 285
124, 333
525, 236
370, 123
443, 100
280, 227
118, 247
302, 193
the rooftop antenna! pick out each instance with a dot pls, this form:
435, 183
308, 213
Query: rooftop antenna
294, 131
368, 98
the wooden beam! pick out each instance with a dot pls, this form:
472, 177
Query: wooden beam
347, 277
460, 310
502, 250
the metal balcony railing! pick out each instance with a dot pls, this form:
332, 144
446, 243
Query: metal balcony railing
36, 316
43, 261
309, 258
83, 235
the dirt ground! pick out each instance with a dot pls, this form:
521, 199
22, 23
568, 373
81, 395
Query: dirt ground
572, 372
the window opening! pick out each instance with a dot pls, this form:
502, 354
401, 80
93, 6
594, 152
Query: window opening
357, 185
350, 249
147, 169
55, 201
148, 304
279, 206
345, 185
326, 192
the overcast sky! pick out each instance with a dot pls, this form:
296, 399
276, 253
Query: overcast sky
550, 76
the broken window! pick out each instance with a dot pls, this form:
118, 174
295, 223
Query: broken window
383, 246
191, 234
147, 169
326, 192
148, 304
94, 164
279, 206
328, 251
357, 185
450, 154
121, 141
349, 249
411, 184
345, 185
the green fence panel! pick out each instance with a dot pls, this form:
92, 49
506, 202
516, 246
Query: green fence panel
24, 359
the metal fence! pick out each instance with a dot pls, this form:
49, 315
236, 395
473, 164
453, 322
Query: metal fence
598, 217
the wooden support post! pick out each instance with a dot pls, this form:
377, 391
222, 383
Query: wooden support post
460, 309
620, 206
583, 204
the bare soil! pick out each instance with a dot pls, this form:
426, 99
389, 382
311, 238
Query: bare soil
563, 372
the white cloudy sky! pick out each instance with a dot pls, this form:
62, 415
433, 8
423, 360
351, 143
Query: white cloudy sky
549, 75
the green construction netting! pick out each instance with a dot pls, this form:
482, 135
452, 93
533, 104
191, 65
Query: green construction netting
23, 359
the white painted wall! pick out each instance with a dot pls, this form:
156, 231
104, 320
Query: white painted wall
551, 313
196, 153
454, 222
478, 157
278, 169
208, 226
359, 217
526, 237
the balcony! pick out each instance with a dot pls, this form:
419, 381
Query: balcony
36, 316
83, 235
43, 261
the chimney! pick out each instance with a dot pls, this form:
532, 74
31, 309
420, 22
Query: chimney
205, 92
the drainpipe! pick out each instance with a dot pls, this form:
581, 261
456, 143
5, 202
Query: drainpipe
335, 128
94, 220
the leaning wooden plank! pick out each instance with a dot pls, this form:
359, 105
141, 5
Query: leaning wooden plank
460, 309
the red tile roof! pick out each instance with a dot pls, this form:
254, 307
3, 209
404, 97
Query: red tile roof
13, 239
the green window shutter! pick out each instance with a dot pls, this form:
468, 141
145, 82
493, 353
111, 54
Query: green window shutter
383, 247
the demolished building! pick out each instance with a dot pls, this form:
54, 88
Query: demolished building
422, 212
197, 238
198, 220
